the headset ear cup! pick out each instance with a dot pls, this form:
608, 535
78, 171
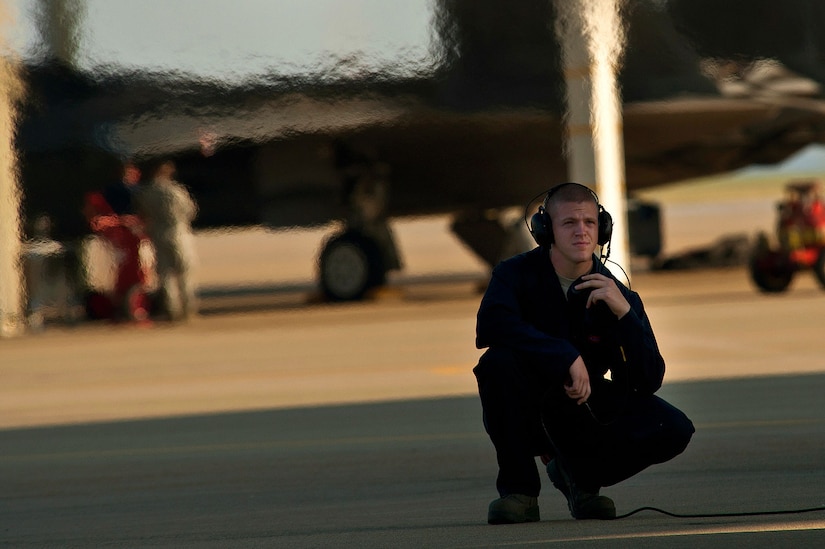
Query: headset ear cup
539, 228
605, 226
548, 226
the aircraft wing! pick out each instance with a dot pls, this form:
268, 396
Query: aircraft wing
273, 161
670, 141
440, 161
482, 131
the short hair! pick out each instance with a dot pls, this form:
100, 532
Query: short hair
570, 192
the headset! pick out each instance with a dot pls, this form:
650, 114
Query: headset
541, 226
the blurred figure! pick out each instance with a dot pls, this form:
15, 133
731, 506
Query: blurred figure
111, 215
124, 233
47, 281
119, 193
168, 211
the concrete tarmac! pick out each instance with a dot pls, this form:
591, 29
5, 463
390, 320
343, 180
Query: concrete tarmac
410, 473
270, 422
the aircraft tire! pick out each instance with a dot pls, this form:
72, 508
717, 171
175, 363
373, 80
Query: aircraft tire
350, 265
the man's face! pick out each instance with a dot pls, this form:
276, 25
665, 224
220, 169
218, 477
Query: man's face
575, 233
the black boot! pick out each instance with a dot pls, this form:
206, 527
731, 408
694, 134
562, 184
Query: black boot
513, 509
582, 504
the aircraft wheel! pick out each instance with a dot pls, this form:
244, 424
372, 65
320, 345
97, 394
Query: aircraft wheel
350, 264
772, 272
819, 268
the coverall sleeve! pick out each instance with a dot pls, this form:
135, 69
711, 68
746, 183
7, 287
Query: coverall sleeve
643, 361
501, 322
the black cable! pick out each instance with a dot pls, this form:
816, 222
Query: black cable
626, 277
720, 515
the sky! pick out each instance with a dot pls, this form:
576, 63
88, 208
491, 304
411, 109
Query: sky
232, 39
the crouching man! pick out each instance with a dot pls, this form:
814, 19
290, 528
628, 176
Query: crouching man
554, 322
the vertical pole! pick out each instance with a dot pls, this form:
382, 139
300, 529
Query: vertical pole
58, 24
592, 38
11, 278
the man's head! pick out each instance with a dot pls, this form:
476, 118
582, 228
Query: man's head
541, 223
572, 221
165, 170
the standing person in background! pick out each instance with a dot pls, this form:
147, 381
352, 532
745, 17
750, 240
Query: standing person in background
111, 215
168, 211
119, 193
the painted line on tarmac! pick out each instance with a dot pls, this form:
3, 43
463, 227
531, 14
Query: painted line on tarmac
715, 530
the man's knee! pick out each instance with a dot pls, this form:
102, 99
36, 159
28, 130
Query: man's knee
677, 430
495, 361
498, 375
683, 430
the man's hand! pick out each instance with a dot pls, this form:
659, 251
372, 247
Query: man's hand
604, 289
578, 385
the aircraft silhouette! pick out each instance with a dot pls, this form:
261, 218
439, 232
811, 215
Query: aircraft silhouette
707, 87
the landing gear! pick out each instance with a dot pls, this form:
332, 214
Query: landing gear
492, 235
355, 261
350, 265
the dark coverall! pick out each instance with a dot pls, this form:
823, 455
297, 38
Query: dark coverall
533, 335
